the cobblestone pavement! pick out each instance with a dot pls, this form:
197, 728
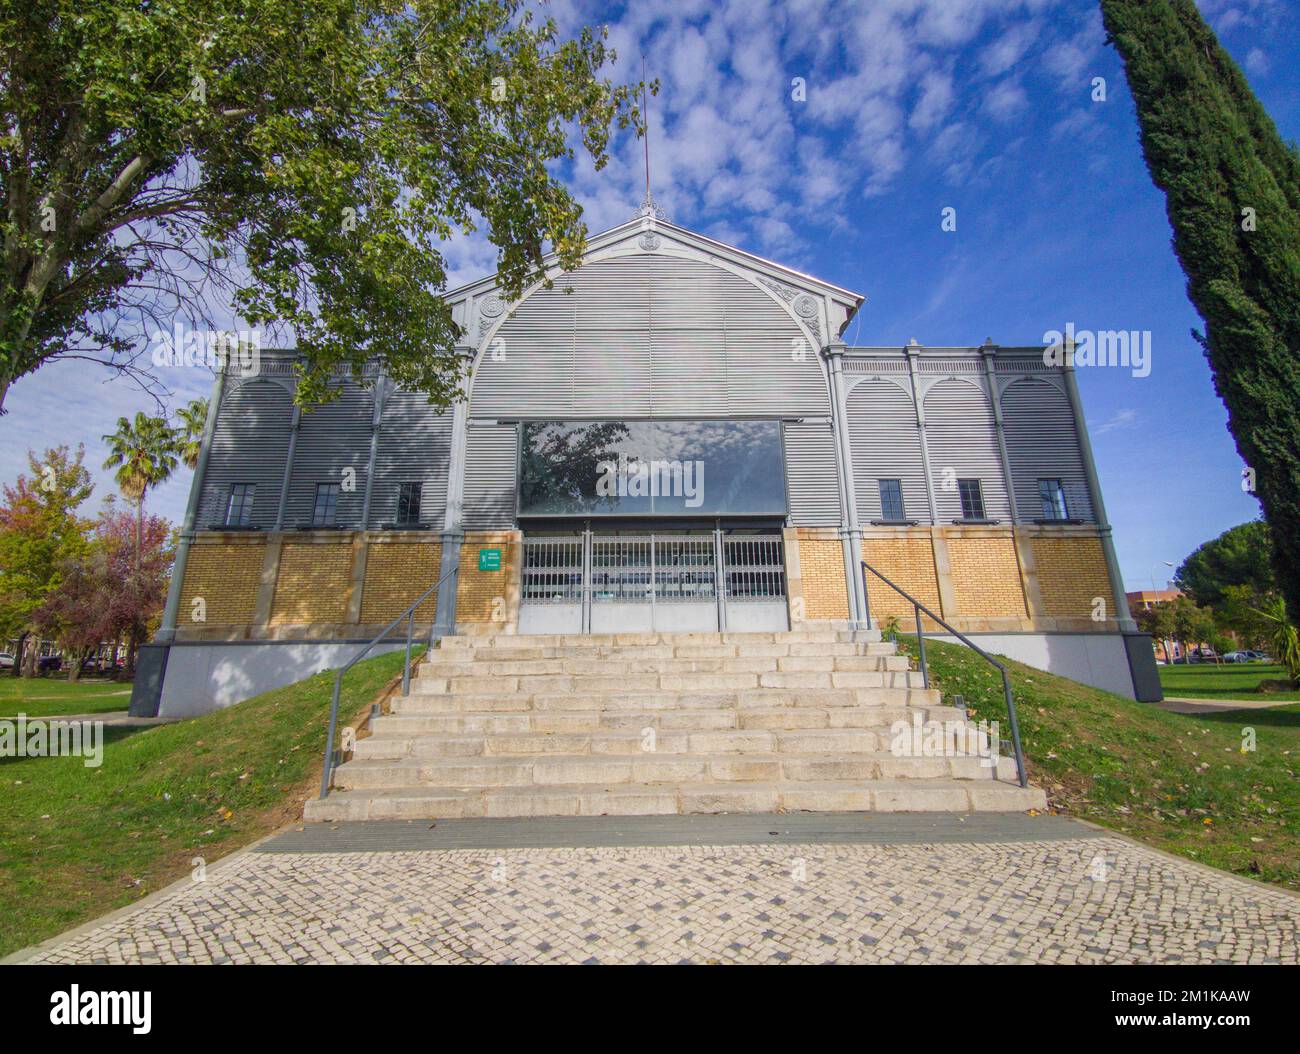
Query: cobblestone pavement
1065, 901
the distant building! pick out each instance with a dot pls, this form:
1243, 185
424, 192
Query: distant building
1146, 599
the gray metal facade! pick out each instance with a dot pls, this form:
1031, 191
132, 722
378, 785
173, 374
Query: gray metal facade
257, 426
658, 337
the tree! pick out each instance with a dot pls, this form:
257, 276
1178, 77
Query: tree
144, 453
40, 531
1232, 190
76, 612
305, 160
1240, 556
1283, 639
189, 432
1190, 625
1158, 620
137, 575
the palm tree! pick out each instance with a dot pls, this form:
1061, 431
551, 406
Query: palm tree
189, 432
1283, 638
144, 454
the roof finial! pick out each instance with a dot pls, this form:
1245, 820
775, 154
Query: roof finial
648, 210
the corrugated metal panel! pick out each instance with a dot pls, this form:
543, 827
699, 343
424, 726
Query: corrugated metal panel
491, 457
812, 474
1043, 442
649, 335
886, 445
414, 447
332, 438
962, 439
249, 445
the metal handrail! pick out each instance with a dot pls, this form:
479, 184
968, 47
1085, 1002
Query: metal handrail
917, 608
409, 616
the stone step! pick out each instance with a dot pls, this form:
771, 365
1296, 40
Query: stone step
422, 803
619, 667
544, 684
748, 699
631, 742
595, 718
579, 640
795, 649
549, 769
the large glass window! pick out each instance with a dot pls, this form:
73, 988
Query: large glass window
652, 468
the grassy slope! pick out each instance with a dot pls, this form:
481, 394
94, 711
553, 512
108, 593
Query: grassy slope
76, 842
1229, 681
1178, 782
48, 696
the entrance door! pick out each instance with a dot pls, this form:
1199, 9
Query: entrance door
551, 594
665, 582
670, 581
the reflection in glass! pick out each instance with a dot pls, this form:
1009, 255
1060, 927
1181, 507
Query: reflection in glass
652, 468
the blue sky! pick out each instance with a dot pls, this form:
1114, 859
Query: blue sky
911, 107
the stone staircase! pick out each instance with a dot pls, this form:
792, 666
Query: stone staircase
652, 723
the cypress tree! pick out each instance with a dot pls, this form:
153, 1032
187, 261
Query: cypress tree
1232, 192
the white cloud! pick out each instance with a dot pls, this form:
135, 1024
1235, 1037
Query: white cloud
933, 101
1119, 419
1005, 101
1257, 62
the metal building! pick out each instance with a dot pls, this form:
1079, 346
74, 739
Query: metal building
674, 437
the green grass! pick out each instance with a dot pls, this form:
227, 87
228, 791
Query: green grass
1229, 681
49, 696
1178, 782
76, 842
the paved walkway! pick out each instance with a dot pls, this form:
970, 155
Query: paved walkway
1180, 704
109, 718
1069, 895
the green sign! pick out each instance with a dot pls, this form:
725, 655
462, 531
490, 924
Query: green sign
489, 559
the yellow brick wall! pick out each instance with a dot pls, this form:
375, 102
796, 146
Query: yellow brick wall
227, 577
483, 596
821, 568
397, 573
1071, 572
986, 577
907, 560
314, 584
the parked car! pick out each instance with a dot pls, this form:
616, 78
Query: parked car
49, 663
1239, 656
6, 661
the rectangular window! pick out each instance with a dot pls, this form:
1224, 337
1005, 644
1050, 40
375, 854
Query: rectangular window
891, 499
408, 504
972, 499
327, 503
1053, 498
239, 509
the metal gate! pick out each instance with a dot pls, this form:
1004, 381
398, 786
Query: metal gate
754, 582
669, 581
